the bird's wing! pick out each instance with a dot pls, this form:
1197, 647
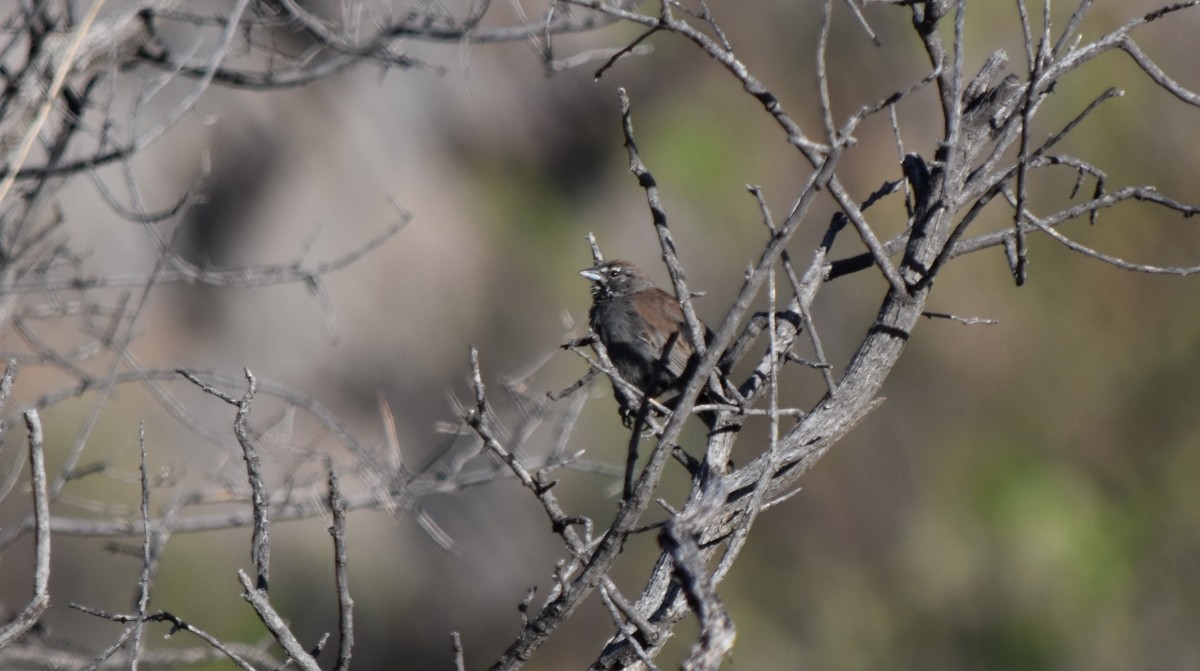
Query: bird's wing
675, 337
681, 352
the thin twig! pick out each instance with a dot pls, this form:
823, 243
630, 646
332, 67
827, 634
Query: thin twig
177, 625
144, 582
337, 506
969, 321
658, 216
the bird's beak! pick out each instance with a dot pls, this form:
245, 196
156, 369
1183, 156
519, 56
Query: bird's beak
592, 274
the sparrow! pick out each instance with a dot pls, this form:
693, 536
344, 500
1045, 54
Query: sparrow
642, 328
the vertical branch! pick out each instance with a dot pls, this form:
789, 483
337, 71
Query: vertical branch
260, 550
954, 110
41, 521
659, 216
738, 541
337, 505
805, 289
256, 592
773, 374
823, 75
1036, 61
41, 512
139, 625
679, 540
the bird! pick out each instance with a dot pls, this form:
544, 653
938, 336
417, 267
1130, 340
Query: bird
643, 330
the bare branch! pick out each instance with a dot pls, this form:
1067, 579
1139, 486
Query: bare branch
679, 539
260, 551
337, 506
283, 635
659, 217
177, 624
37, 605
143, 598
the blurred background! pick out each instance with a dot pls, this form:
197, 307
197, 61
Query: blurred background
1024, 499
